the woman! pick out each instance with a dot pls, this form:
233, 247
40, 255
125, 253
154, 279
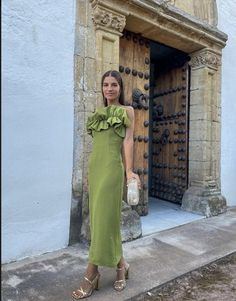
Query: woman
112, 129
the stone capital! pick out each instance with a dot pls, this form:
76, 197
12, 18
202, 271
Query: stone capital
107, 20
205, 58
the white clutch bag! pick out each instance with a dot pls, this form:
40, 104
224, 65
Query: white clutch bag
133, 192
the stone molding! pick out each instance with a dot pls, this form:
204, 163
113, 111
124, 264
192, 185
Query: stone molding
159, 20
108, 20
205, 58
165, 3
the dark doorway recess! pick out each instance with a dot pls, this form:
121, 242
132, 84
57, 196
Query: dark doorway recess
169, 122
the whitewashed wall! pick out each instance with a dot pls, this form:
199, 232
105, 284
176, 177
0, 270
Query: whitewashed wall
37, 103
227, 23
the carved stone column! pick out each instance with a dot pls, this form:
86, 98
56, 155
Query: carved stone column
204, 193
109, 25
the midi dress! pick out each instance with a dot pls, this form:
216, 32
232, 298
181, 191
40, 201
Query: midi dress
107, 126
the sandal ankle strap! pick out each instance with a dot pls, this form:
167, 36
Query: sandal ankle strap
124, 267
89, 281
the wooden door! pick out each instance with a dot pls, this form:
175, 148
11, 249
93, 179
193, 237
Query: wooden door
134, 68
169, 174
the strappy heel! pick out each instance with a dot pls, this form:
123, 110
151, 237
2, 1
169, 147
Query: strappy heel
84, 293
119, 285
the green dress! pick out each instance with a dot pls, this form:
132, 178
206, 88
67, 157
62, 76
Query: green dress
107, 126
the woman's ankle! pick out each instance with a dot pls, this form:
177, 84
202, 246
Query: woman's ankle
122, 263
91, 272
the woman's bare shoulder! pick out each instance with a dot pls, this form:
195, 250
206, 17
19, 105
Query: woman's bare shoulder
129, 108
130, 111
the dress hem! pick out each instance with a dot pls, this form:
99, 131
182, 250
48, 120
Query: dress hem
104, 264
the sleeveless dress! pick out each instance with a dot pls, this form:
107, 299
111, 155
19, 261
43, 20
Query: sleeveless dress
107, 126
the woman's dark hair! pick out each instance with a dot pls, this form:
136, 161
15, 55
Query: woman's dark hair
118, 77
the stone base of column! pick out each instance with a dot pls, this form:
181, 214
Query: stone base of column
204, 201
131, 227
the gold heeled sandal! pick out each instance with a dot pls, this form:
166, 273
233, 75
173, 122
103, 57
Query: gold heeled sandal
84, 293
119, 285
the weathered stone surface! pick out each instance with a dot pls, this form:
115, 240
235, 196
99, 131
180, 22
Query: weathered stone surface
90, 45
131, 227
82, 13
75, 220
79, 73
204, 10
80, 40
89, 75
208, 202
85, 229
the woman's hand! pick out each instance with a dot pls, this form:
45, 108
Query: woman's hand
131, 175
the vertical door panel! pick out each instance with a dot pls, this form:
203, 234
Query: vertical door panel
170, 134
134, 68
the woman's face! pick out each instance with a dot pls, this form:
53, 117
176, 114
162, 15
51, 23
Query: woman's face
111, 89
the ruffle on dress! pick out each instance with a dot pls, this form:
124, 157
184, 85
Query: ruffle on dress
110, 116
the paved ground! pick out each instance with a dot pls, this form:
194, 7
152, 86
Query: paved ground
164, 215
154, 260
214, 282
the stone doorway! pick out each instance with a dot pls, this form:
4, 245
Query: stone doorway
189, 29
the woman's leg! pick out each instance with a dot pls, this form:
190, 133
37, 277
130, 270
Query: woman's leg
86, 284
122, 274
121, 269
91, 271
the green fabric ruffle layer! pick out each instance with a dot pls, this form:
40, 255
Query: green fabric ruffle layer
110, 116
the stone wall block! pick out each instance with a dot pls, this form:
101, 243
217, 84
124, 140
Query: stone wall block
80, 40
85, 171
200, 130
78, 153
198, 150
87, 142
90, 44
90, 101
77, 182
79, 125
79, 105
216, 113
90, 22
79, 73
89, 74
215, 131
99, 73
198, 112
82, 13
198, 91
198, 170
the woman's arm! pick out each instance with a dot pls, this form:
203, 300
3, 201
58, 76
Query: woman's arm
127, 149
